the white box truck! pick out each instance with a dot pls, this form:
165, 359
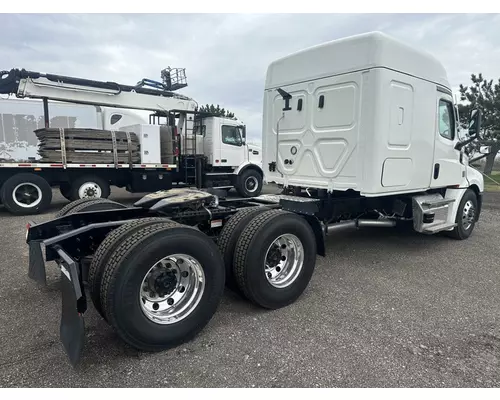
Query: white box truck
361, 132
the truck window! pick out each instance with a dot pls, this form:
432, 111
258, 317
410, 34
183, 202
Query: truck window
231, 135
115, 118
202, 132
446, 120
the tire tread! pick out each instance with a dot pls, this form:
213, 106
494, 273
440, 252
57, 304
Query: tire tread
105, 249
226, 242
68, 207
128, 246
243, 246
122, 251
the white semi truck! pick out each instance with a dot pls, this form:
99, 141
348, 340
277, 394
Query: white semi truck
179, 146
361, 132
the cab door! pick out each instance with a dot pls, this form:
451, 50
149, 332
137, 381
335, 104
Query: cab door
447, 169
232, 148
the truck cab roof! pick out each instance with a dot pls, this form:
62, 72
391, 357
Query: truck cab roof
355, 53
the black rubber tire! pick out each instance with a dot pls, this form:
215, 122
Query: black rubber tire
240, 183
103, 184
104, 251
81, 205
97, 205
459, 233
6, 194
250, 253
64, 188
228, 238
128, 265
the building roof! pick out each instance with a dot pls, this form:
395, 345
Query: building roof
354, 53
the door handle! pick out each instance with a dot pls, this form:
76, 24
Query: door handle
436, 171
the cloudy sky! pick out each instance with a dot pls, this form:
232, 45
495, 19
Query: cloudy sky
226, 55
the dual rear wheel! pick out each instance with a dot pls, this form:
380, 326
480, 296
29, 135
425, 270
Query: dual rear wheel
269, 255
159, 283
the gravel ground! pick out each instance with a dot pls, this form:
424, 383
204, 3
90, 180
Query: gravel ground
385, 308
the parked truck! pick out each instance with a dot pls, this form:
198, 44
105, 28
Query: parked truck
179, 146
360, 132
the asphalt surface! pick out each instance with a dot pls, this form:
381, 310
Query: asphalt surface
385, 308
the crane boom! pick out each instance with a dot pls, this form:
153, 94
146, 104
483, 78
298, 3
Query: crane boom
38, 85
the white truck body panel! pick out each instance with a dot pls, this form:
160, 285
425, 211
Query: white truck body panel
255, 155
368, 121
149, 139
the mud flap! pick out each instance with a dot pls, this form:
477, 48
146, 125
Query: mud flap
72, 328
36, 269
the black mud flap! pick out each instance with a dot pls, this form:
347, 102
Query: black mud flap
36, 267
72, 328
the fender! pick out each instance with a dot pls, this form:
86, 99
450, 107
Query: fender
473, 181
474, 177
246, 165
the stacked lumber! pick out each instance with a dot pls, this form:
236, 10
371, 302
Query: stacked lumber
166, 145
88, 146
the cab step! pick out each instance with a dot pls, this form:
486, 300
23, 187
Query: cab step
438, 227
431, 213
437, 203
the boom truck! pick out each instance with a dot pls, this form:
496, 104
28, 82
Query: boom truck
361, 132
179, 146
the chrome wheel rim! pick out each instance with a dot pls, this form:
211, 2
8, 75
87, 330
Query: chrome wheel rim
251, 184
27, 195
284, 260
468, 215
89, 189
172, 289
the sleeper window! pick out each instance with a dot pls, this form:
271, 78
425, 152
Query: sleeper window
446, 121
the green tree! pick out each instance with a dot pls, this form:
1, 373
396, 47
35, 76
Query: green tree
485, 95
219, 112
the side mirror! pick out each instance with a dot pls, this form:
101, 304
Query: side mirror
243, 133
475, 123
474, 129
286, 96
